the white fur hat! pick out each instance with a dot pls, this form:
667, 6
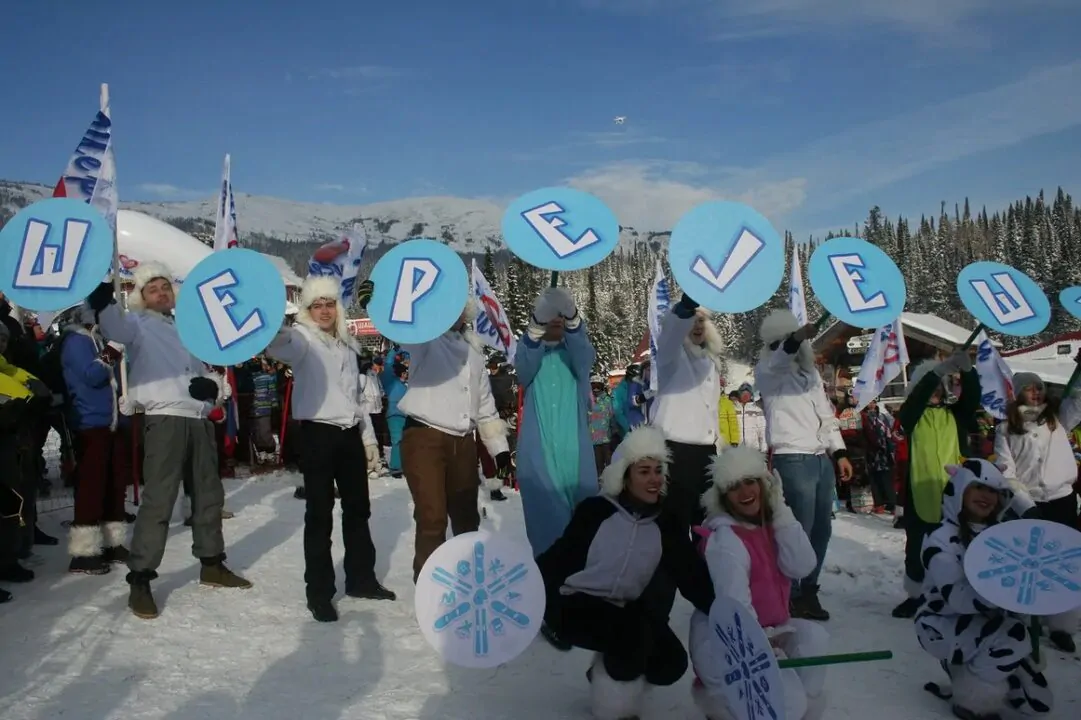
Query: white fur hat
729, 469
917, 373
144, 273
778, 325
321, 287
645, 441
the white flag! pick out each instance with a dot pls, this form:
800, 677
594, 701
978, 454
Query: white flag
996, 386
797, 301
493, 327
341, 260
225, 235
886, 357
659, 302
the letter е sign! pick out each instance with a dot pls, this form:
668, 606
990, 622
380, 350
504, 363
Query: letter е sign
54, 253
421, 288
560, 229
857, 283
230, 307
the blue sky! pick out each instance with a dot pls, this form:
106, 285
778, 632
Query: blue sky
809, 110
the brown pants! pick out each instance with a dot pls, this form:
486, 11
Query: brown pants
441, 471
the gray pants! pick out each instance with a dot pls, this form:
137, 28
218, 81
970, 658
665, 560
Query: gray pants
176, 449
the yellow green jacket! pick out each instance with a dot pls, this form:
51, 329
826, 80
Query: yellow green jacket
13, 380
728, 421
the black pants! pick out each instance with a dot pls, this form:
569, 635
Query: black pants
633, 641
330, 454
916, 531
882, 488
1062, 511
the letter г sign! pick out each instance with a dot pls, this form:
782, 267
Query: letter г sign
230, 307
54, 253
560, 229
421, 288
857, 283
726, 256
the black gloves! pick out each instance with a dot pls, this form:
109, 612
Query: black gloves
502, 465
203, 389
364, 293
40, 389
685, 307
102, 297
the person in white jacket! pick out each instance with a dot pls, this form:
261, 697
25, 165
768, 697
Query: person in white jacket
449, 397
685, 407
1033, 450
335, 429
755, 548
177, 392
804, 439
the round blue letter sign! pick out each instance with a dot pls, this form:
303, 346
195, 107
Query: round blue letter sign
857, 283
726, 256
230, 306
1071, 300
54, 253
421, 287
1003, 298
560, 229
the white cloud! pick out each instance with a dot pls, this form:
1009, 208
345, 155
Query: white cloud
339, 188
357, 72
165, 191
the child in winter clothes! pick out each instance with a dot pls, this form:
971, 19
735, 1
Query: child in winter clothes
984, 649
596, 575
600, 423
395, 389
1033, 449
264, 396
755, 550
938, 435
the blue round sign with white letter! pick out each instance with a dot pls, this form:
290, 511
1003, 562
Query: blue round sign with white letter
560, 229
421, 288
1003, 298
857, 283
230, 306
54, 253
1071, 300
726, 256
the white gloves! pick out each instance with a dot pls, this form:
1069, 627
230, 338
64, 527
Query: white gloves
958, 362
553, 303
372, 453
782, 514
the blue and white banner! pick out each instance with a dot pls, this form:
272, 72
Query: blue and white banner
492, 325
886, 357
797, 301
659, 302
225, 235
91, 172
996, 383
341, 260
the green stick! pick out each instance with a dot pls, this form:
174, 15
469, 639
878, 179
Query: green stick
972, 338
820, 322
1034, 631
839, 659
555, 279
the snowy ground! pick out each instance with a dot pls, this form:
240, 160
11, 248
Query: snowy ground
69, 648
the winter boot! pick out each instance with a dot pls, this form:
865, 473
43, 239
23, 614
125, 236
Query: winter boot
1063, 641
113, 536
299, 493
215, 574
553, 638
370, 590
976, 699
808, 607
140, 600
908, 609
41, 538
497, 496
16, 573
84, 546
5, 596
323, 611
611, 699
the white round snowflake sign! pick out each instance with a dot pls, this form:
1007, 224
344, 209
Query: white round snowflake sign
480, 600
744, 666
1027, 566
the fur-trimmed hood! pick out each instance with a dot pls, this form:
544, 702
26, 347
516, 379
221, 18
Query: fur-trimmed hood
728, 469
645, 441
320, 287
144, 273
778, 325
713, 345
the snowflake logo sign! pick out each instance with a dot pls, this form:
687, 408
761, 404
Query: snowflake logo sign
480, 600
751, 679
1027, 566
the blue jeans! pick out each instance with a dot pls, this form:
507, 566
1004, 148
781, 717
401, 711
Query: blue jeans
808, 482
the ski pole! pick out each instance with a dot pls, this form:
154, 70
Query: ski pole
839, 659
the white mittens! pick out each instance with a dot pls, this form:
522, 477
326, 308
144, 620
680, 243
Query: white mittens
958, 362
372, 453
553, 303
782, 514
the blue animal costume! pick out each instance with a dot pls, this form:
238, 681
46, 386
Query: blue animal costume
555, 465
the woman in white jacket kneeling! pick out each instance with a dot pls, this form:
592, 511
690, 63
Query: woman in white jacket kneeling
755, 550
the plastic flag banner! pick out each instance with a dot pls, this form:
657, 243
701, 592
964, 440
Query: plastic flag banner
341, 260
797, 299
225, 234
493, 327
996, 383
886, 357
659, 302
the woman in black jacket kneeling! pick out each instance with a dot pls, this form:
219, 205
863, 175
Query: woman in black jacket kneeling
597, 573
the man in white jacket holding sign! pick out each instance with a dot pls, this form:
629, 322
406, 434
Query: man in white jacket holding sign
177, 392
804, 439
336, 442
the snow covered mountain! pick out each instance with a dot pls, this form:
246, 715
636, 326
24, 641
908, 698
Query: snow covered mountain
467, 225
